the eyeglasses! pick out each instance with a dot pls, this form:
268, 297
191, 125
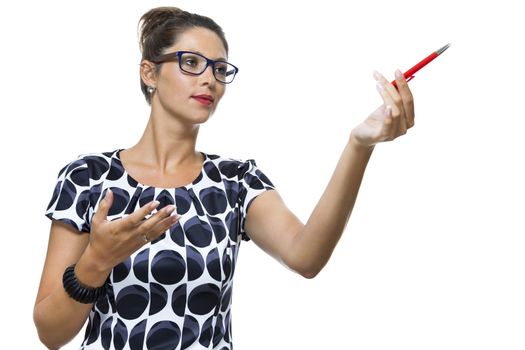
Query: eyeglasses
195, 64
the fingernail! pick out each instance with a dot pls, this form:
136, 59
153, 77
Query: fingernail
177, 217
377, 76
155, 204
379, 86
399, 75
170, 209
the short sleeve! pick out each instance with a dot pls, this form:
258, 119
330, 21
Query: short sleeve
252, 182
70, 200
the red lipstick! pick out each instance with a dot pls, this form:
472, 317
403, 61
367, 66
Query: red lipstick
205, 100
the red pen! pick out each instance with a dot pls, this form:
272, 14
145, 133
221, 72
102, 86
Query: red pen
409, 74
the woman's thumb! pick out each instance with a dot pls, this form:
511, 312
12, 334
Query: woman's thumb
105, 205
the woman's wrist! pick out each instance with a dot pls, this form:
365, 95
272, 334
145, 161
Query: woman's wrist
90, 271
358, 146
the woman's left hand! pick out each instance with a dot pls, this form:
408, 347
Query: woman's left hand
390, 120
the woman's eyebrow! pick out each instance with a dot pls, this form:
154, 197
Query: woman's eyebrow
215, 59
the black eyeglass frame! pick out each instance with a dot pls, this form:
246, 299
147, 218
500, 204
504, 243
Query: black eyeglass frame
177, 56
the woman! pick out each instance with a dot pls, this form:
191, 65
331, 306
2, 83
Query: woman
165, 222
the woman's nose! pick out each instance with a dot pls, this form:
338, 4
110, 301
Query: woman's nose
207, 76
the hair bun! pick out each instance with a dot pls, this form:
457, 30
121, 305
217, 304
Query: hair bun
155, 18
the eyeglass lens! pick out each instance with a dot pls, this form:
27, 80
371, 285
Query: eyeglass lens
197, 64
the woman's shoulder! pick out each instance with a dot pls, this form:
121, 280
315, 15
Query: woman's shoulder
230, 166
94, 163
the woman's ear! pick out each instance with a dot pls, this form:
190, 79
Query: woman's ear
148, 73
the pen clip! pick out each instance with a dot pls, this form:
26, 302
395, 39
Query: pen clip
410, 78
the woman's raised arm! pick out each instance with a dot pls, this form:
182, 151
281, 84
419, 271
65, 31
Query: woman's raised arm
306, 248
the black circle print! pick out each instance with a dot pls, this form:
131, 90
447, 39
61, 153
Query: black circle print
163, 335
168, 267
174, 292
132, 301
204, 298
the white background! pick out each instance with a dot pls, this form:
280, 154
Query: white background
433, 256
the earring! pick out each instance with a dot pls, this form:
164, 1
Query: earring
151, 89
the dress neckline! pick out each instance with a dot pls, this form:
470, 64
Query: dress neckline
193, 182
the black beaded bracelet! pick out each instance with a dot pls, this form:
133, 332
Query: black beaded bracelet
78, 291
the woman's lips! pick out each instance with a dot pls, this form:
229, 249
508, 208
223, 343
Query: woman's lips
204, 100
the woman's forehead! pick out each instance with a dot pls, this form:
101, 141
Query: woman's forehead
200, 40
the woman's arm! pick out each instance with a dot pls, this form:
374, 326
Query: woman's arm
58, 318
307, 248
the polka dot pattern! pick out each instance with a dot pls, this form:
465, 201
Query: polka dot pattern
121, 271
214, 265
163, 335
178, 300
168, 267
198, 232
106, 334
141, 265
203, 299
190, 332
132, 301
174, 292
195, 263
120, 335
137, 335
158, 299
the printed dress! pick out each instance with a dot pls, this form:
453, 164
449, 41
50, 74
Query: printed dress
174, 292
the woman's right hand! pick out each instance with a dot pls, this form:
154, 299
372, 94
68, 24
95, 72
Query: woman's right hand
58, 317
111, 242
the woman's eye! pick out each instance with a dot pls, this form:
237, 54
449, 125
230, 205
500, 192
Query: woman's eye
221, 70
190, 62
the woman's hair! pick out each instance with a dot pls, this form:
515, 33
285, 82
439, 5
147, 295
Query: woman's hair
159, 29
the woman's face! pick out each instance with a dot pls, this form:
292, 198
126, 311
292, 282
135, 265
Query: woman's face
191, 98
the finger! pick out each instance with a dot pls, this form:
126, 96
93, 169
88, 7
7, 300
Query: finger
403, 123
395, 97
163, 225
398, 108
138, 216
390, 110
406, 97
148, 224
388, 128
385, 96
103, 208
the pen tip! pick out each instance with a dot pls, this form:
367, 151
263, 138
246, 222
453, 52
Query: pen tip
440, 51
